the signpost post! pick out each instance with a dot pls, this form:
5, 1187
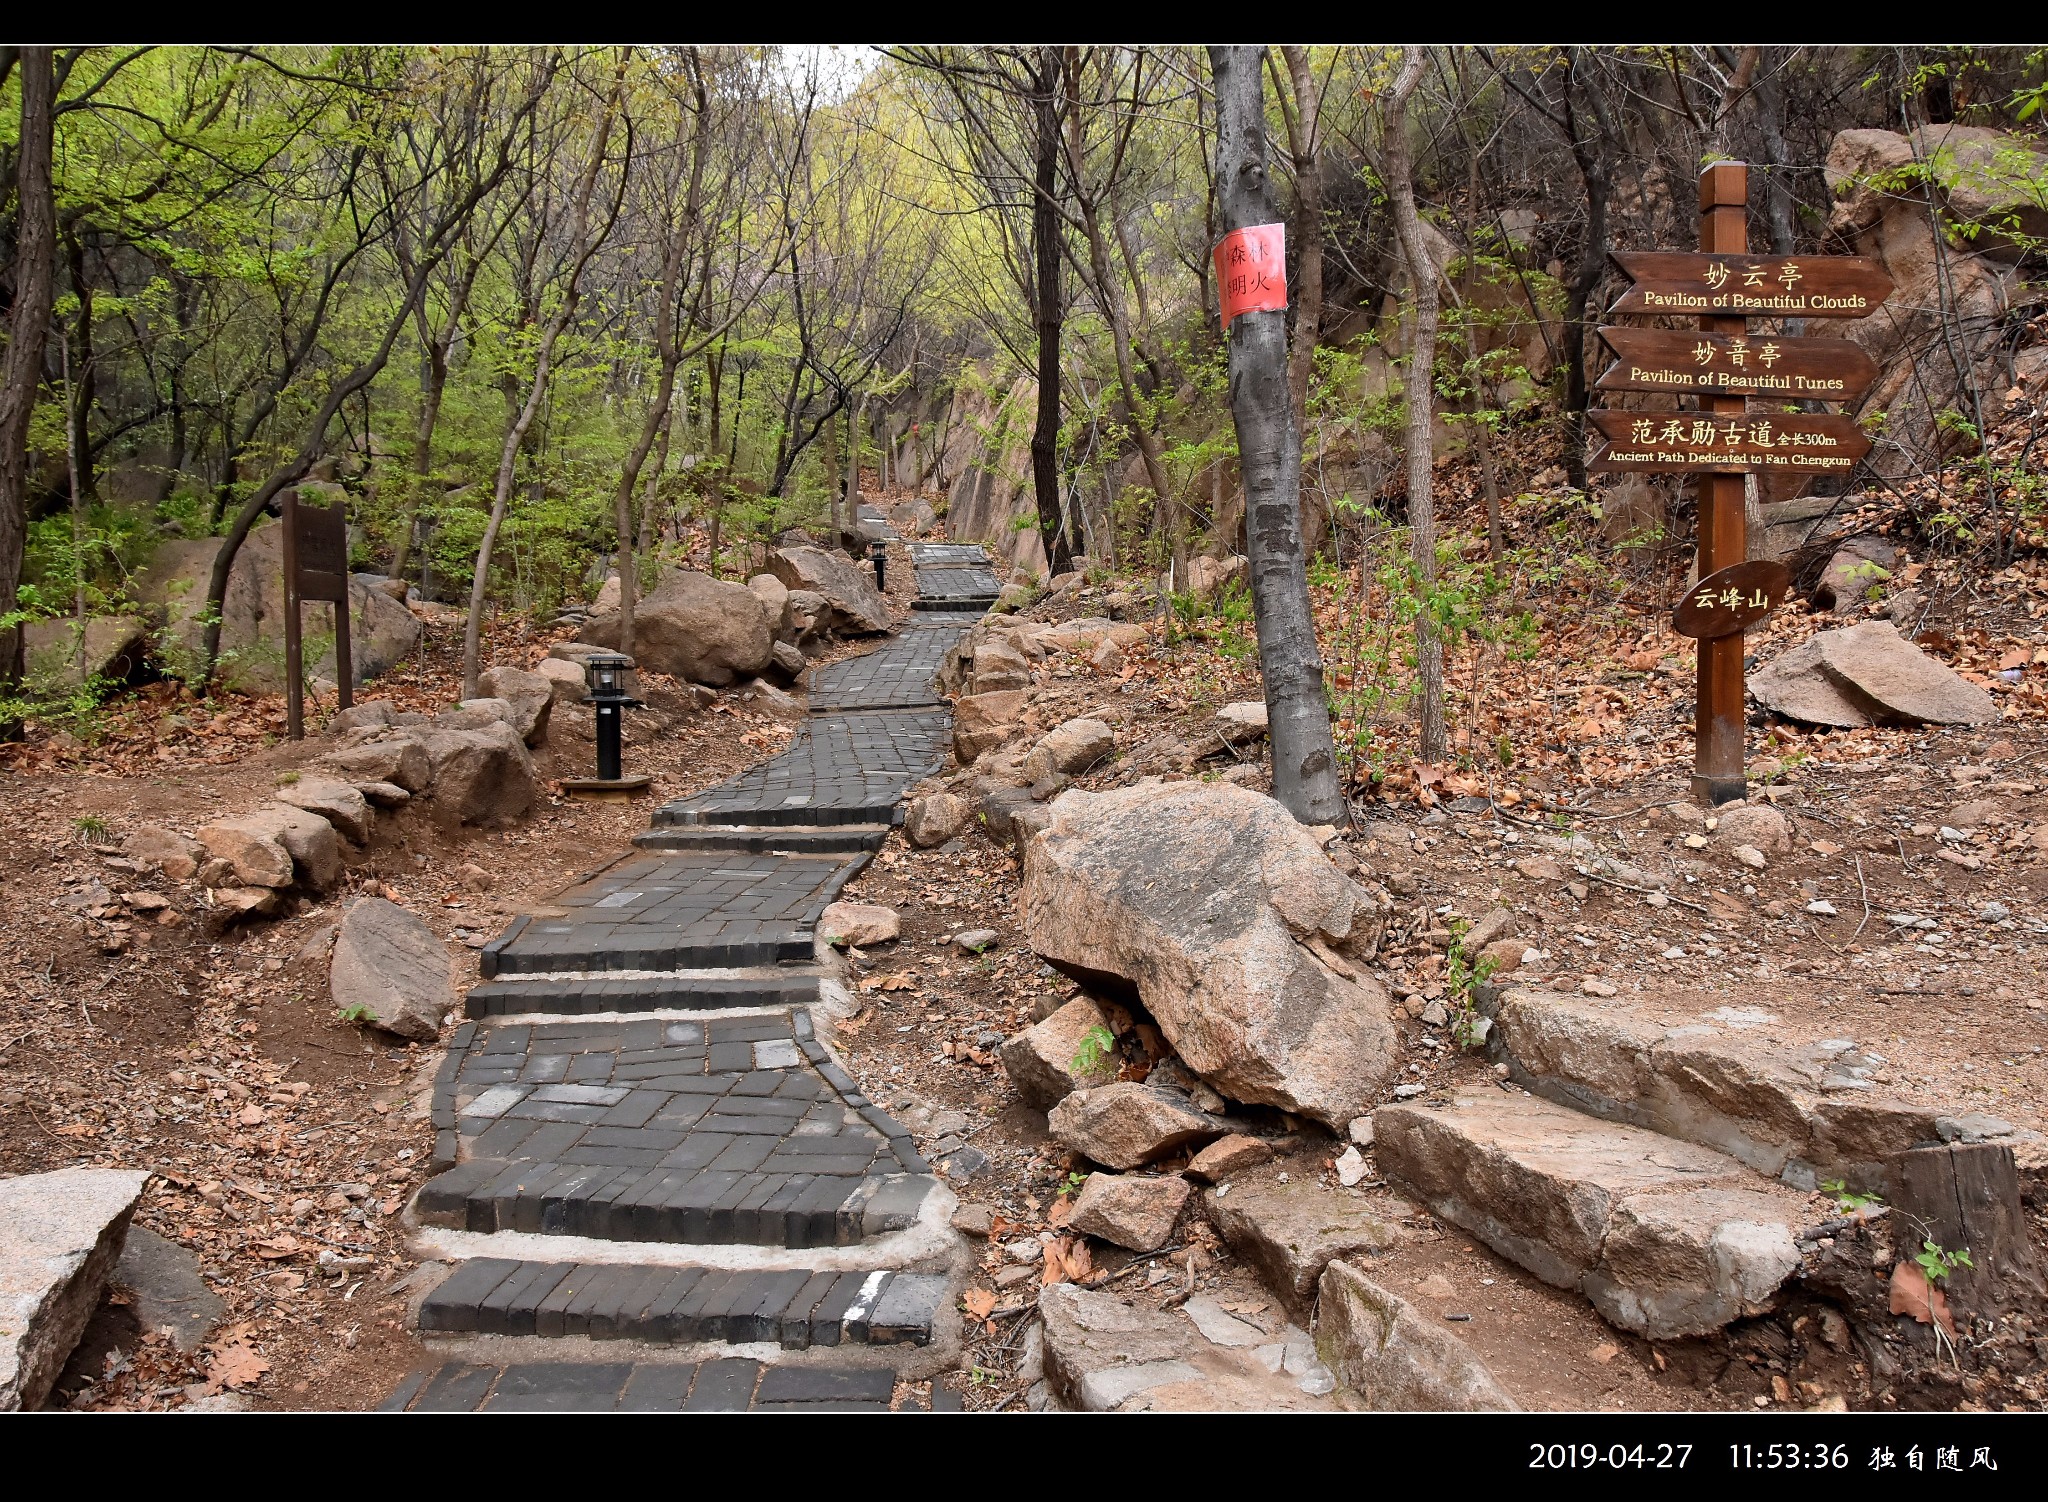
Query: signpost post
315, 568
1724, 366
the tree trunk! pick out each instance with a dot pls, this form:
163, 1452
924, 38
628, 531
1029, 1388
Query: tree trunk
849, 525
1269, 446
1593, 153
1308, 229
1045, 285
34, 296
1434, 744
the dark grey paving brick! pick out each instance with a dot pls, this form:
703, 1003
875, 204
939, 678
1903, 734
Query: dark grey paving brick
841, 769
897, 675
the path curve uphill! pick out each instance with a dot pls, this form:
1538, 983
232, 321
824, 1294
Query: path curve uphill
656, 1188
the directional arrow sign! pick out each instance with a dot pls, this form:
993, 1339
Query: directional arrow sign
1742, 286
1828, 370
1764, 442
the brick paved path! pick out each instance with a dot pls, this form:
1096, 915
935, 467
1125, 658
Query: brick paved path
641, 1083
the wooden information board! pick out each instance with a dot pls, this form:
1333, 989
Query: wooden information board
315, 568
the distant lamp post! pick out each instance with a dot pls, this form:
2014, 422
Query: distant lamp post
878, 555
604, 675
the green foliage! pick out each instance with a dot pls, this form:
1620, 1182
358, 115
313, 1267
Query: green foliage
1097, 1050
1847, 1200
1938, 1263
356, 1012
89, 828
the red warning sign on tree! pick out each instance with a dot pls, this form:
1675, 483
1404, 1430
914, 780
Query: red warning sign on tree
1251, 270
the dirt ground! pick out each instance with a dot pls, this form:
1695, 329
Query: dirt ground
134, 1031
1915, 963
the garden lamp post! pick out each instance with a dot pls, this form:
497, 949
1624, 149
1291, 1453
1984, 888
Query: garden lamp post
604, 676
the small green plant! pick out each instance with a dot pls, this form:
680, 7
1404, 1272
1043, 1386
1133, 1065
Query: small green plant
1937, 1262
1098, 1046
982, 1376
1071, 1185
89, 827
355, 1011
286, 779
1461, 975
1847, 1200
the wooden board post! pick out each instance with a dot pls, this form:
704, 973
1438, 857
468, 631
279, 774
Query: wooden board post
315, 568
1717, 775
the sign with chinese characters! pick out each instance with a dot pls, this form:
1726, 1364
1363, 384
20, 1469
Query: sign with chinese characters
1703, 285
1720, 443
1827, 370
320, 534
1732, 600
1251, 271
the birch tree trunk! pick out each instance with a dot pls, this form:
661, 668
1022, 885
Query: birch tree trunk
1269, 446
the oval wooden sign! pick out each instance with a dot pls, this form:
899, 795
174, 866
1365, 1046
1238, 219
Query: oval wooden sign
1731, 600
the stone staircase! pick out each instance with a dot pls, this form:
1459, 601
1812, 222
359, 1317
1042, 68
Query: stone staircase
639, 1138
1665, 1172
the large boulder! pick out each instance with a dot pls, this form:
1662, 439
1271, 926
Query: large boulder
374, 753
115, 646
693, 626
339, 803
1868, 674
774, 597
60, 1236
856, 606
1217, 909
529, 696
999, 664
482, 776
389, 970
1901, 683
1990, 186
382, 632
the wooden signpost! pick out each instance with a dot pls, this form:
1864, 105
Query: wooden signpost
315, 568
1723, 437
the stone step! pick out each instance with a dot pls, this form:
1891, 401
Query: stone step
782, 1207
723, 1385
60, 1236
1666, 1238
795, 1308
1785, 1100
978, 604
570, 995
796, 839
677, 910
725, 1130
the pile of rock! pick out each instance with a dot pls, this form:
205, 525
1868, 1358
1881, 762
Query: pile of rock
467, 766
